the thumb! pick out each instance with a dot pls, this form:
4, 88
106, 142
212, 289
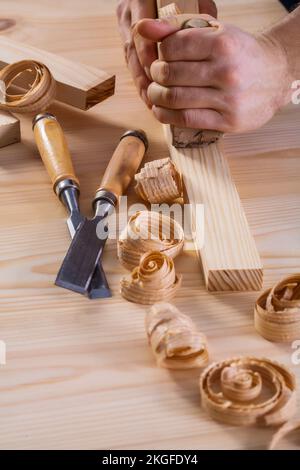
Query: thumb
156, 30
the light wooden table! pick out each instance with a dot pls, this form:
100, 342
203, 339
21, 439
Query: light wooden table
79, 374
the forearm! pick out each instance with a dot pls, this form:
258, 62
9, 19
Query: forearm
287, 34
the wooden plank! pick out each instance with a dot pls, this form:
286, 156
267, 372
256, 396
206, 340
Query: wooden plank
229, 256
9, 129
230, 259
78, 85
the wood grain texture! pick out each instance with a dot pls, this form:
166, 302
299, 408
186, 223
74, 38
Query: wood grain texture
9, 129
77, 85
80, 374
229, 256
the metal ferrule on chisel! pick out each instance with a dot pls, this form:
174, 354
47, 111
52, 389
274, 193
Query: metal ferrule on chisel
68, 192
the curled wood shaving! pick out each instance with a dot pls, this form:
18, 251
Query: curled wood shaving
174, 338
277, 311
152, 281
159, 181
149, 231
246, 391
282, 432
41, 92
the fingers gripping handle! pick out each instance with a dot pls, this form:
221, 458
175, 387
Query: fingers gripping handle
189, 138
53, 149
185, 21
124, 163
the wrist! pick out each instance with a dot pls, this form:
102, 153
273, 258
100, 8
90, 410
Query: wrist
282, 64
286, 34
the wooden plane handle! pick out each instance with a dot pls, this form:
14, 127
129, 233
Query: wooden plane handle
124, 162
53, 149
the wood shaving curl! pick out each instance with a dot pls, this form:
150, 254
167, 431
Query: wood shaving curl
152, 281
247, 391
40, 94
287, 428
277, 311
174, 338
149, 231
159, 181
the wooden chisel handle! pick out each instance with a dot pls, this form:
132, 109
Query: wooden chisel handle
53, 149
124, 163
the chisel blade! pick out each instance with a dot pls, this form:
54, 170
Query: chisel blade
73, 222
98, 287
81, 259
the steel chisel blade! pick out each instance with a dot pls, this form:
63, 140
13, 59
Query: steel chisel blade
98, 288
81, 259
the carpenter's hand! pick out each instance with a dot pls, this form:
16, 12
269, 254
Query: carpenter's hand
141, 52
225, 80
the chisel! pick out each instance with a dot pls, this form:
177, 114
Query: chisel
55, 154
87, 245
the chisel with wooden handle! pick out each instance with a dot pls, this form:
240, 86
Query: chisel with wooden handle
55, 154
88, 243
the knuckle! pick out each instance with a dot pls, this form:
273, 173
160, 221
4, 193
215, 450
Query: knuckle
144, 51
234, 120
171, 96
163, 119
231, 77
122, 10
164, 73
234, 104
188, 118
119, 9
160, 115
166, 49
225, 45
129, 48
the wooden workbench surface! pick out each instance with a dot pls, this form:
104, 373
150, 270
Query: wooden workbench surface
79, 374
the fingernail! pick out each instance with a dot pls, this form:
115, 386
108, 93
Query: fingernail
147, 72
